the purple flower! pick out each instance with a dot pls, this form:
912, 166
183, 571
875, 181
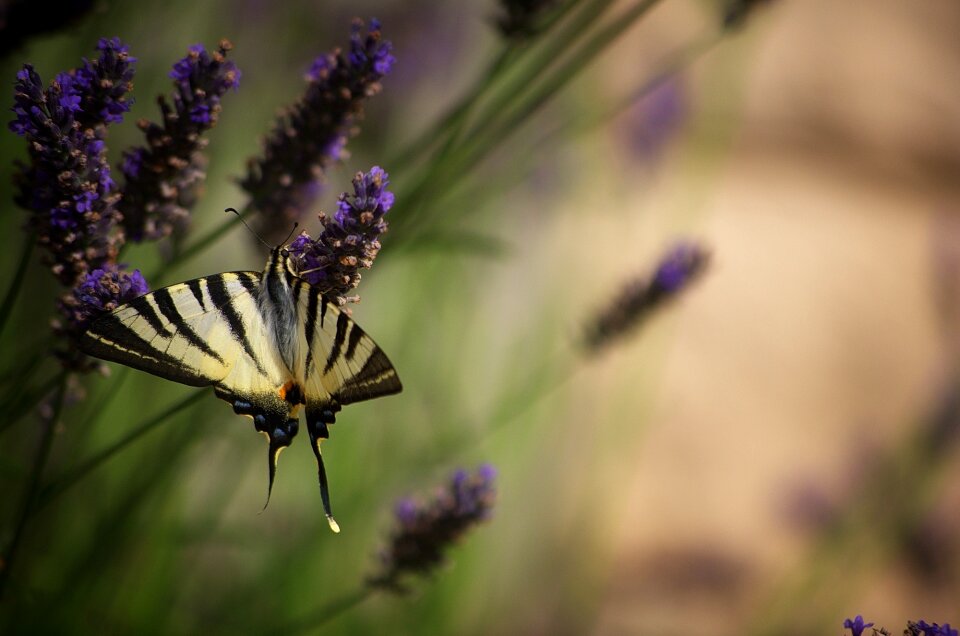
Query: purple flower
350, 241
67, 184
655, 120
163, 178
311, 134
856, 626
682, 264
102, 290
105, 83
425, 529
926, 629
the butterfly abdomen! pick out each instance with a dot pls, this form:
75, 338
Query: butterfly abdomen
278, 307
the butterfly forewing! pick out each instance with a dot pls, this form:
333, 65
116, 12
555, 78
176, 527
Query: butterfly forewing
201, 332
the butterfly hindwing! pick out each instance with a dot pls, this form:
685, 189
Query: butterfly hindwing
342, 364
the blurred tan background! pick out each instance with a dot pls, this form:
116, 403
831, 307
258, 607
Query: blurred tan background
824, 331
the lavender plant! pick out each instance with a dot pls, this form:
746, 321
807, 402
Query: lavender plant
67, 185
681, 266
349, 241
857, 627
312, 134
161, 179
425, 529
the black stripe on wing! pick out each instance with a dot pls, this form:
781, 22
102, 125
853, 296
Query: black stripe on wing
343, 323
217, 288
197, 291
149, 313
110, 339
375, 378
310, 326
169, 310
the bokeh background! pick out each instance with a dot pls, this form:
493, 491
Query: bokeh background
771, 453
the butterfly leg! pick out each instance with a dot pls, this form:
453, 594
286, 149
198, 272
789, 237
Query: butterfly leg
317, 421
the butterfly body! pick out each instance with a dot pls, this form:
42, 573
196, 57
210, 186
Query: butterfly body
269, 343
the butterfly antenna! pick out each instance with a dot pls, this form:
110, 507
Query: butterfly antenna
239, 216
294, 229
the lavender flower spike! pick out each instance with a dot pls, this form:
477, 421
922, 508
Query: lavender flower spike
67, 184
312, 133
926, 629
161, 181
349, 241
102, 290
681, 266
424, 530
856, 625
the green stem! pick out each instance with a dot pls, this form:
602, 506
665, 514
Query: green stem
212, 236
540, 58
486, 133
325, 613
450, 123
72, 476
18, 277
576, 63
32, 487
673, 65
29, 400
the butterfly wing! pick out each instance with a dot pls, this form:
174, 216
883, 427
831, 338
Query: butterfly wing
341, 363
206, 331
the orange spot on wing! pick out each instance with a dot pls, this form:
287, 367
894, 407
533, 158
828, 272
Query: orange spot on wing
292, 393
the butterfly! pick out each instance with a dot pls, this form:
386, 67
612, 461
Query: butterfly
269, 343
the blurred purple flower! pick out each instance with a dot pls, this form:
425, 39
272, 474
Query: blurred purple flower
683, 264
926, 629
312, 133
350, 241
162, 179
856, 626
424, 530
67, 183
656, 119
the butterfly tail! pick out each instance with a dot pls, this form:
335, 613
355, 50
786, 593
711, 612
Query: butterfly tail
279, 438
318, 433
